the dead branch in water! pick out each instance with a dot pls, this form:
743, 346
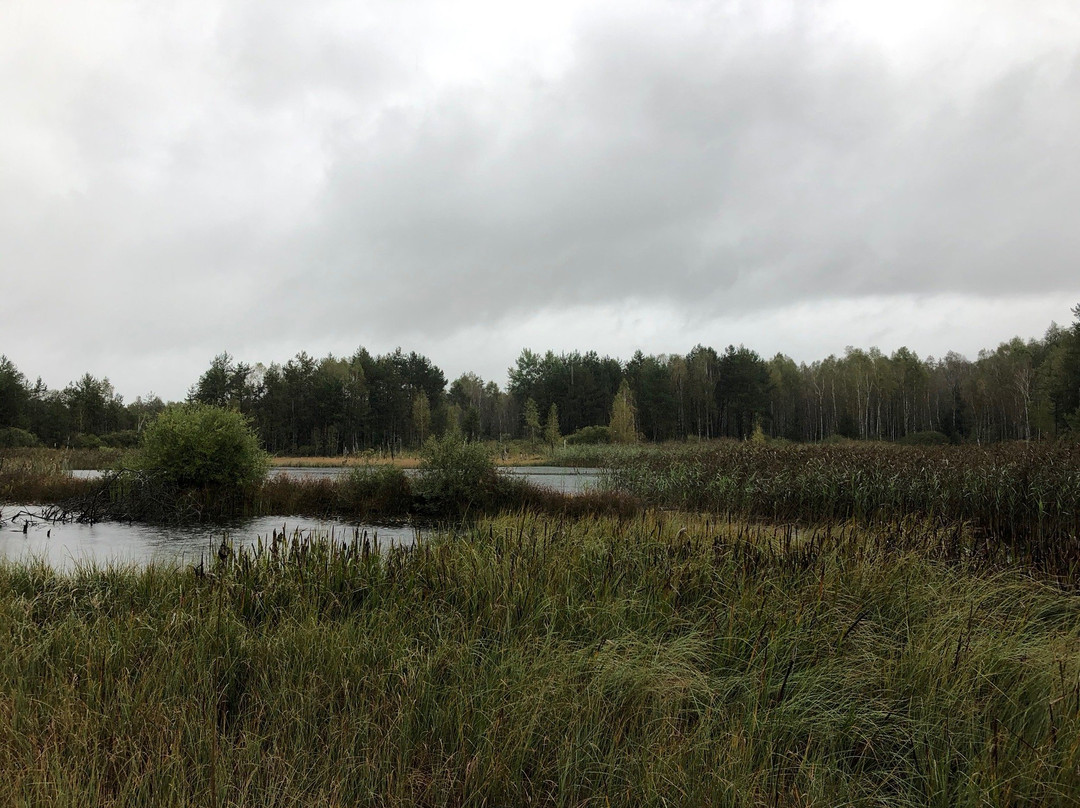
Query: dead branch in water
127, 495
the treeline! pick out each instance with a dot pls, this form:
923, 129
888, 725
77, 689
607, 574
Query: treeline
86, 414
1020, 391
331, 406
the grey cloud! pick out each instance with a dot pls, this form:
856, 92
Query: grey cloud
273, 172
666, 164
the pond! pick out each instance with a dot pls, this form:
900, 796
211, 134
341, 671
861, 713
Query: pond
23, 537
559, 478
65, 546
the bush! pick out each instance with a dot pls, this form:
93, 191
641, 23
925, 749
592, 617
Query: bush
589, 435
455, 475
201, 446
124, 439
14, 438
376, 489
925, 439
85, 440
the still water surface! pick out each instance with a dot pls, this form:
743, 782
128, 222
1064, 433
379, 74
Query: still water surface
66, 546
559, 478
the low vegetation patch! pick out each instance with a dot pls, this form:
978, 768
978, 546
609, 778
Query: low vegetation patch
41, 475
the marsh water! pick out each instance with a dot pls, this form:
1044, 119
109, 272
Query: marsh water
25, 536
559, 478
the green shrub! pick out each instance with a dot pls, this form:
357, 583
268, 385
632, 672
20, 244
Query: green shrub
85, 440
454, 475
758, 435
14, 438
198, 445
588, 435
376, 489
925, 439
123, 439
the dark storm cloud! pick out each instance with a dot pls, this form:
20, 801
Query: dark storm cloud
272, 176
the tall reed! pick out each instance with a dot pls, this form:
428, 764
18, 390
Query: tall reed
1020, 498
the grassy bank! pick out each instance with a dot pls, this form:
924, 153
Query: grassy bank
661, 660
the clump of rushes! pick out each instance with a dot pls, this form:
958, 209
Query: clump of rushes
527, 661
381, 489
37, 475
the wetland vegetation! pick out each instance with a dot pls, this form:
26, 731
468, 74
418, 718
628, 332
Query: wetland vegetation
737, 623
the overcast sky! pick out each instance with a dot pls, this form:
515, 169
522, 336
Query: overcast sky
466, 179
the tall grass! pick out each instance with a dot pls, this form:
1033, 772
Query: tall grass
606, 455
529, 661
1021, 498
37, 475
62, 458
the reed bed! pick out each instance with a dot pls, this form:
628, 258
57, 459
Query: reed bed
359, 460
40, 457
503, 453
1024, 499
659, 660
37, 475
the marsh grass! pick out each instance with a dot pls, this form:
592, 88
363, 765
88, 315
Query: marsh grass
503, 453
41, 458
37, 475
1019, 502
1021, 499
658, 660
376, 491
360, 460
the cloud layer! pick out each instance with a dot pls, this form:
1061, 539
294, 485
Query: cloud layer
265, 177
